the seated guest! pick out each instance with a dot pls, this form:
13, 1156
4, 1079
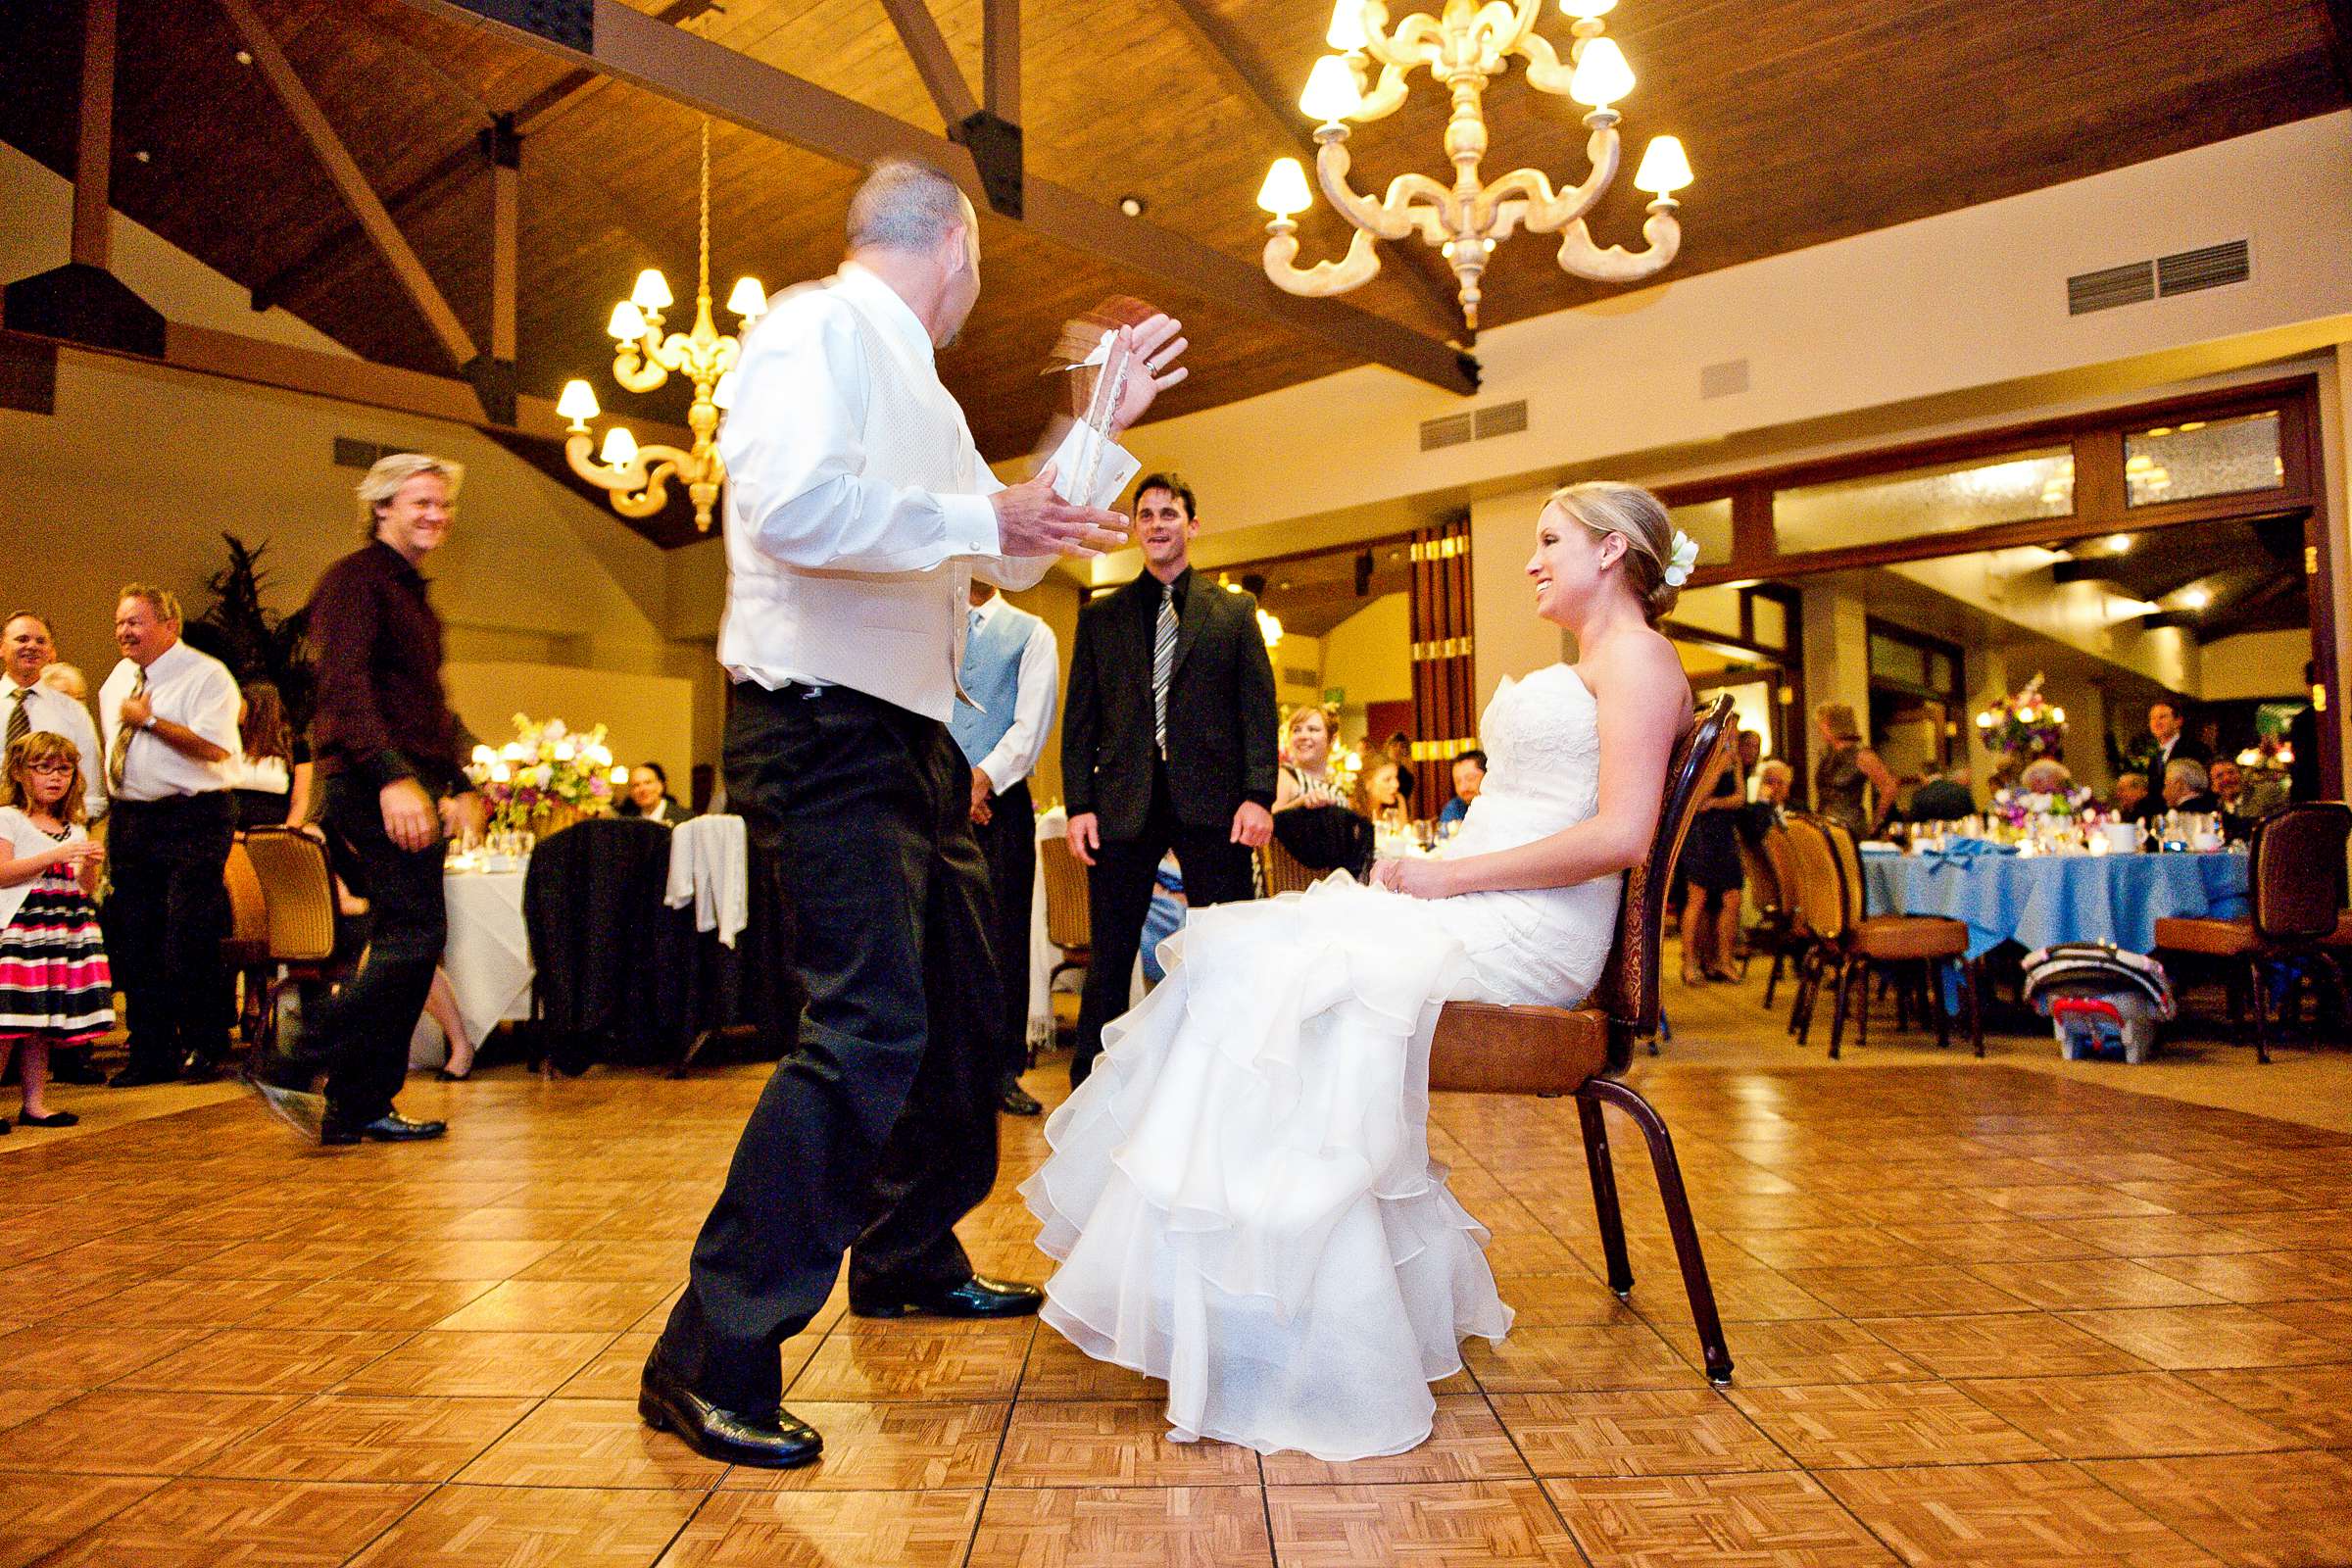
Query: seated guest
1325, 836
2184, 787
2132, 804
1469, 774
1399, 751
649, 796
1306, 777
2227, 781
1944, 798
66, 680
2046, 775
1380, 797
261, 775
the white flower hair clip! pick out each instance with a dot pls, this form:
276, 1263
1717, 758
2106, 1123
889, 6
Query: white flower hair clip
1683, 558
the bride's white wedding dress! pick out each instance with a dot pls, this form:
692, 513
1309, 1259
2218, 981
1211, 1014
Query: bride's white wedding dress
1242, 1194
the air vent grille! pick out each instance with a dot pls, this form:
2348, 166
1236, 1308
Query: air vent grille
1299, 678
1503, 419
1450, 431
2109, 287
2209, 267
353, 452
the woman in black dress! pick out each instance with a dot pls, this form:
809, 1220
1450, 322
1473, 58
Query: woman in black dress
1713, 878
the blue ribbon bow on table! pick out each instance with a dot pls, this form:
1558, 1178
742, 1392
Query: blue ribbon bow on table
1960, 852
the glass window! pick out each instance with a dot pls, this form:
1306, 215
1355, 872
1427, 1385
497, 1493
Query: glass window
1710, 525
1768, 619
1949, 498
1894, 660
1715, 609
2201, 458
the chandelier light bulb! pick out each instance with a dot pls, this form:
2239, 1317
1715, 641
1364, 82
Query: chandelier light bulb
1347, 29
1587, 10
652, 292
1285, 191
748, 299
621, 448
578, 401
1601, 77
628, 325
1332, 94
1664, 168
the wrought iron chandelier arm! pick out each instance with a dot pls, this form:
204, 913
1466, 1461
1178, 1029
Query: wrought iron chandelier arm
1617, 264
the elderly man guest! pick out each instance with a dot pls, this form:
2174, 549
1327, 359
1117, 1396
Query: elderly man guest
857, 512
2184, 787
169, 717
391, 761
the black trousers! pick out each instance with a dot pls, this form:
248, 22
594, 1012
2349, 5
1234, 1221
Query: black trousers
360, 1037
164, 922
1008, 844
1216, 870
878, 1131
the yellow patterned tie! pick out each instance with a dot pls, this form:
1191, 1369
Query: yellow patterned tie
19, 722
119, 758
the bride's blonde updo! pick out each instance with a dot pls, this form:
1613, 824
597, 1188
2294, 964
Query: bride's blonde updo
1608, 507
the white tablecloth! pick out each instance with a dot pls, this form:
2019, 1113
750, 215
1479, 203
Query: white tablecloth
488, 959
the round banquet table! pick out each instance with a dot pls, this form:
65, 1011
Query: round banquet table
488, 959
2039, 900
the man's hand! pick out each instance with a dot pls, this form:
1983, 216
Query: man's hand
136, 710
408, 820
1156, 347
1033, 521
1085, 834
461, 814
1252, 824
983, 791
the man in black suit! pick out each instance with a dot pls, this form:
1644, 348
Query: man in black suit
2166, 743
1169, 743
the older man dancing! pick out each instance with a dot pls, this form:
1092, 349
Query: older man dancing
857, 512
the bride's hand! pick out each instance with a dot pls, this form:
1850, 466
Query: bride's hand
1415, 878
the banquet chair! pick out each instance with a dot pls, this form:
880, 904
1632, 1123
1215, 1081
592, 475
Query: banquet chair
1069, 914
245, 951
1864, 941
2295, 876
1484, 1048
1772, 892
298, 899
1280, 871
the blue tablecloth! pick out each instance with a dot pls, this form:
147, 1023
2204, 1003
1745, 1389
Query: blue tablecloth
2037, 899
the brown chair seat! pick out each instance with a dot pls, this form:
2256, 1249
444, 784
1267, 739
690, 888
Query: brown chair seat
1519, 1050
1896, 938
2225, 939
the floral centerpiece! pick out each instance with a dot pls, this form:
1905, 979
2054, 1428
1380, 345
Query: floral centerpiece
546, 778
2018, 808
2024, 725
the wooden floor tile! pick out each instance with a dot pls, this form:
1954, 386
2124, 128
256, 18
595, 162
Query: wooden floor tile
635, 1261
2206, 1337
1994, 1516
2073, 1284
615, 1373
452, 1259
186, 1302
1634, 1432
1942, 1288
590, 1442
2217, 1195
1113, 1443
1565, 1360
1867, 1426
1104, 1527
455, 1362
1560, 1301
2072, 1203
2283, 1511
2129, 1415
971, 1362
1058, 1370
1782, 1520
2159, 1235
119, 1432
358, 1437
241, 1523
1984, 1346
521, 1223
1466, 1443
2014, 1240
2327, 1321
1826, 1349
1828, 1247
2311, 1403
828, 1530
894, 1447
2288, 1228
39, 1513
1509, 1524
19, 1404
281, 1258
2257, 1277
523, 1526
268, 1360
560, 1306
345, 1304
52, 1356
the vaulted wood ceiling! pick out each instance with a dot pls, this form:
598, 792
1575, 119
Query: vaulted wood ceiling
1807, 121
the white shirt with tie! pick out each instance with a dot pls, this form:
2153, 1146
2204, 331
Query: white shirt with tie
856, 507
60, 714
190, 688
1014, 757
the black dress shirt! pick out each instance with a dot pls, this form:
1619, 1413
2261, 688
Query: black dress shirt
381, 712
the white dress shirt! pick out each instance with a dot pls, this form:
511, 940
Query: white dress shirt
856, 507
1015, 756
59, 715
190, 688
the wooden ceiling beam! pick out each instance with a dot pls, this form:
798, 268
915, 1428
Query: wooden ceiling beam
1001, 58
357, 193
708, 76
933, 59
94, 149
2339, 24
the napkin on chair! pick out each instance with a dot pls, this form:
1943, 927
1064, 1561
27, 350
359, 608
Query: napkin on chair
710, 869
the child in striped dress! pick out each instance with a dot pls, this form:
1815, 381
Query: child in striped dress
55, 987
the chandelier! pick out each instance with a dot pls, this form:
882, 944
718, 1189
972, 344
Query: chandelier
1466, 48
643, 359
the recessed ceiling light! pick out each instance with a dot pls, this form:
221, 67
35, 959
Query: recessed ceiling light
144, 156
1283, 585
1132, 205
244, 57
2119, 543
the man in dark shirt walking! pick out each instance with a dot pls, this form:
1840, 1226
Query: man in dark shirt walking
387, 747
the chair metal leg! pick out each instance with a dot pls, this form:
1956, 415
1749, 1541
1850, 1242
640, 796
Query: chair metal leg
1676, 1203
1862, 1010
1935, 1000
2259, 1001
1604, 1196
1838, 1007
1772, 981
1975, 1004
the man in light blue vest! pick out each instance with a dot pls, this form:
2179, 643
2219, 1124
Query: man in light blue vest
1010, 673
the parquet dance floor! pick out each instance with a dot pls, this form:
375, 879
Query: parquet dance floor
1982, 1316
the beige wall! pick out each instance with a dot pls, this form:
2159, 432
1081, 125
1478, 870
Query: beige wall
2258, 663
1370, 655
646, 718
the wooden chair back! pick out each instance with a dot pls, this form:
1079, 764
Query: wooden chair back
2295, 870
1780, 863
248, 910
1820, 888
1069, 916
1282, 872
298, 893
1849, 869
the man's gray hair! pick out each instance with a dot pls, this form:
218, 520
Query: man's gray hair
2187, 771
904, 206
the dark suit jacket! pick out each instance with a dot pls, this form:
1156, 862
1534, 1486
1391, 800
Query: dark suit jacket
2144, 759
1221, 718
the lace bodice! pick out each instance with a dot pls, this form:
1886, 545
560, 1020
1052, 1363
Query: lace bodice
1542, 741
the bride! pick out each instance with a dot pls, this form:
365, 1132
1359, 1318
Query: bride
1242, 1195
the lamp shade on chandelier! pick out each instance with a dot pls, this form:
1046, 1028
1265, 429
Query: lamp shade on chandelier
638, 477
1465, 48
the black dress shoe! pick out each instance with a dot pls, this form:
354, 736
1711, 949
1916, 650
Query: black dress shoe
1016, 1101
977, 1297
200, 1070
776, 1440
389, 1128
56, 1118
140, 1077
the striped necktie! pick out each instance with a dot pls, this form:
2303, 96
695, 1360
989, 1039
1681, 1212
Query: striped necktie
118, 760
19, 722
1163, 664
